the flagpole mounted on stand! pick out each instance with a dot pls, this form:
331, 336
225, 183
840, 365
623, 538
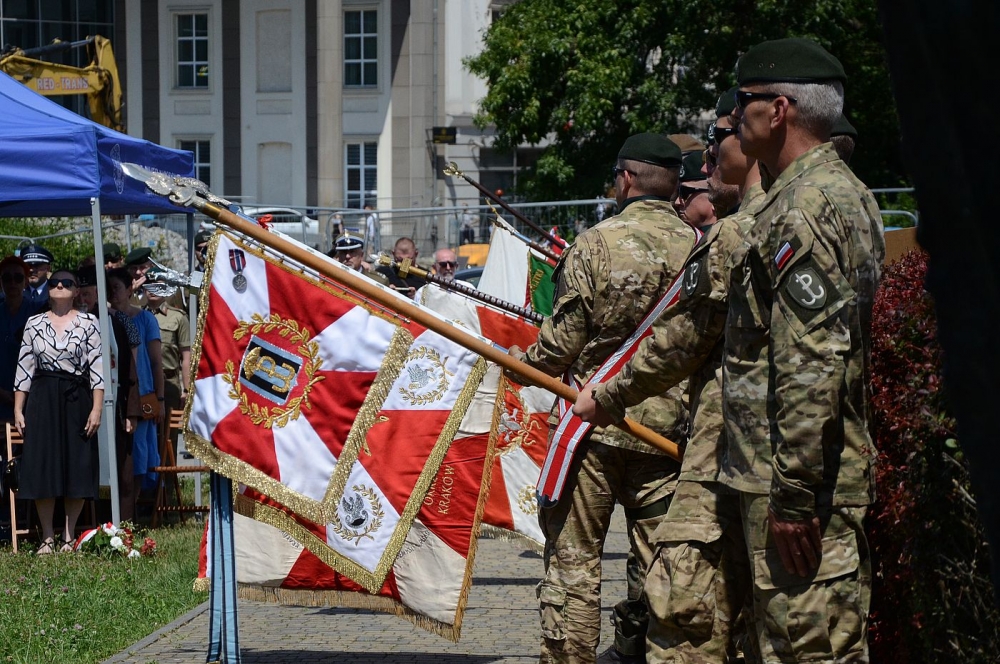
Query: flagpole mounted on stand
189, 192
452, 171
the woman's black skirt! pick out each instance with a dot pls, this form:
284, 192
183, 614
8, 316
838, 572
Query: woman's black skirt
59, 460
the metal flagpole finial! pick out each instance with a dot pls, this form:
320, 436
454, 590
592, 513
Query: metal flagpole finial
452, 170
183, 191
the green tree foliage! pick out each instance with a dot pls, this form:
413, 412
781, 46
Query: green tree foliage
589, 73
69, 249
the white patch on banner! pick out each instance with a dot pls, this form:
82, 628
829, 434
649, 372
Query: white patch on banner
255, 300
505, 274
264, 554
435, 374
305, 463
366, 520
365, 335
520, 473
430, 576
212, 403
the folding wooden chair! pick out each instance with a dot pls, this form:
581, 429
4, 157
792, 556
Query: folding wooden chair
13, 438
169, 472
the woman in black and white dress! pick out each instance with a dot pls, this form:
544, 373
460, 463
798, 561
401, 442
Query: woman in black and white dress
58, 395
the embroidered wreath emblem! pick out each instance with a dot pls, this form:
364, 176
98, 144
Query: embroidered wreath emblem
362, 515
428, 376
290, 329
527, 501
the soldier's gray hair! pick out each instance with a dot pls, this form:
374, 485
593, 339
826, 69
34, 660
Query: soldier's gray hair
653, 179
818, 104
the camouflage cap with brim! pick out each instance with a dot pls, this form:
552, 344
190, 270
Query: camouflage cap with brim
791, 60
651, 148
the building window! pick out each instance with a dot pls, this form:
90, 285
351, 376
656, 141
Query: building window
192, 50
362, 174
202, 150
361, 48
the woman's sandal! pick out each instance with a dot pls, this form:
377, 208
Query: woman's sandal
46, 548
67, 546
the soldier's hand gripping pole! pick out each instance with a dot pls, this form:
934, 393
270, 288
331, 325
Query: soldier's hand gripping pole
188, 192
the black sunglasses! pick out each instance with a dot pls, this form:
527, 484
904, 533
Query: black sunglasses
744, 97
447, 263
718, 134
687, 192
13, 277
618, 170
65, 283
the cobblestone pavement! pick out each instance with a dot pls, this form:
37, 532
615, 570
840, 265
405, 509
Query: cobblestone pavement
500, 622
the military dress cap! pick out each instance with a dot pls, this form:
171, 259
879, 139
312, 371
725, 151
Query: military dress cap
202, 237
651, 148
112, 251
691, 169
687, 143
35, 253
348, 241
138, 256
727, 103
843, 127
87, 276
791, 60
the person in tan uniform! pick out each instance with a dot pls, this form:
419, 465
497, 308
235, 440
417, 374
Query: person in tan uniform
175, 347
694, 599
606, 282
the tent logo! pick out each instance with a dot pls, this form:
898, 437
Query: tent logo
116, 156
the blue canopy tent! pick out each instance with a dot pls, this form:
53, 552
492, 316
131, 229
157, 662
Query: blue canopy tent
56, 163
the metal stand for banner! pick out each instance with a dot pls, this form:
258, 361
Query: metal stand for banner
223, 623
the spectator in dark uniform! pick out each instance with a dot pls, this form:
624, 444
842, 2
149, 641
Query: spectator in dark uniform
39, 260
14, 313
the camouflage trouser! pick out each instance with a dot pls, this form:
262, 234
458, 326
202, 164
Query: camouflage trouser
822, 618
569, 596
699, 579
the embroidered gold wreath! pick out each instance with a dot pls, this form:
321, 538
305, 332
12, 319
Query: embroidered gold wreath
289, 329
517, 430
354, 506
410, 393
527, 500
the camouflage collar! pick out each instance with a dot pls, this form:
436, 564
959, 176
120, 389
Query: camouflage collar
647, 197
810, 159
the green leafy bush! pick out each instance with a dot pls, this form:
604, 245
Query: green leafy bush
932, 599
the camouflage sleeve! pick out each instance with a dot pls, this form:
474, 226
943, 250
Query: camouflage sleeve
810, 344
684, 335
565, 333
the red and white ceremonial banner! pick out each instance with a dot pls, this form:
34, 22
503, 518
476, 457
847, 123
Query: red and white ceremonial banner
430, 579
329, 407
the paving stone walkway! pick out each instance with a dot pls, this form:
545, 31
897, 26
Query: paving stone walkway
500, 623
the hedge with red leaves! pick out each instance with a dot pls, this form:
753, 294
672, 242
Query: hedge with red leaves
932, 600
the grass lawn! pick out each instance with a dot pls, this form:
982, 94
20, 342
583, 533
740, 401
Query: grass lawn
83, 608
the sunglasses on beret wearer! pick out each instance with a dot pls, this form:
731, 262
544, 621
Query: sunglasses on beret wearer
744, 97
717, 134
687, 192
618, 170
65, 283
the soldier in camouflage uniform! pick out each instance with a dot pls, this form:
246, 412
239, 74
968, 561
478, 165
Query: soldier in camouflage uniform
796, 361
693, 597
605, 283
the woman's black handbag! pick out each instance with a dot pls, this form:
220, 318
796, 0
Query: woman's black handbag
10, 478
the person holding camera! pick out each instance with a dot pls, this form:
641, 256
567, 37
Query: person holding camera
58, 395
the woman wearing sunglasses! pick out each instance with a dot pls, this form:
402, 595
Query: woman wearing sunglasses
59, 391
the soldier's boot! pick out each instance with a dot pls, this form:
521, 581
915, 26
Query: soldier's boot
613, 656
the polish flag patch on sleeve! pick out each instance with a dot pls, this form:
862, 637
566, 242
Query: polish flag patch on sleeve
784, 255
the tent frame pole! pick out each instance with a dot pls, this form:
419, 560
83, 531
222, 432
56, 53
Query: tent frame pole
106, 434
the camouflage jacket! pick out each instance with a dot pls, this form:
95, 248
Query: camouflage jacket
797, 346
605, 283
687, 342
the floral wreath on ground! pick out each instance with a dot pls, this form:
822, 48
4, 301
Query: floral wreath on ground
111, 541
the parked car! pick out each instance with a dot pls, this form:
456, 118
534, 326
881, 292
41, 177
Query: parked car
291, 222
470, 274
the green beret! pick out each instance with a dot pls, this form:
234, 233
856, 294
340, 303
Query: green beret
843, 127
112, 251
691, 167
727, 103
202, 237
651, 148
138, 256
792, 60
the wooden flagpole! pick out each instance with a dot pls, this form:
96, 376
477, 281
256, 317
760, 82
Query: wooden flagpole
192, 193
